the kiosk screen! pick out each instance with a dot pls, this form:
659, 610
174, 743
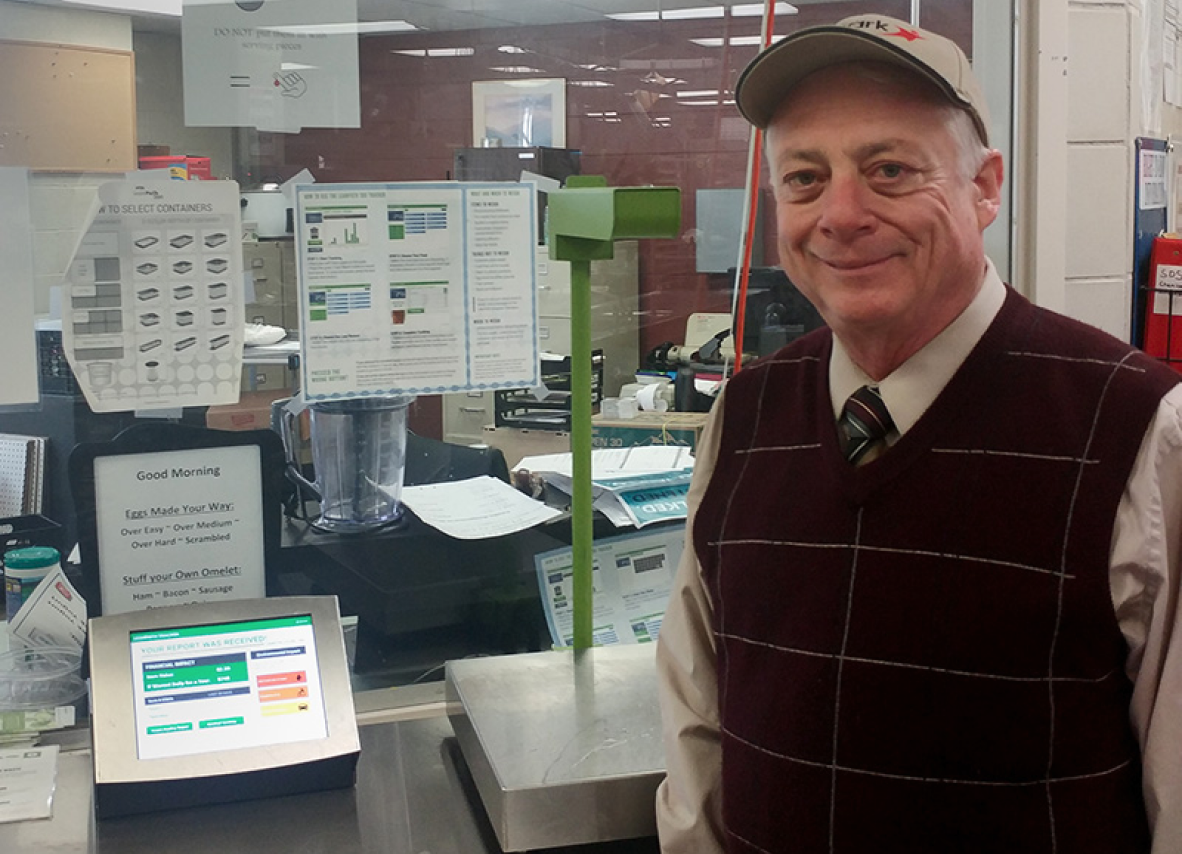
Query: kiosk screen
200, 689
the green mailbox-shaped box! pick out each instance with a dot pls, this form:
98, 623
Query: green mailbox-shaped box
584, 220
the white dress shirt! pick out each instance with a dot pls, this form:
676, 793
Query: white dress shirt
1144, 575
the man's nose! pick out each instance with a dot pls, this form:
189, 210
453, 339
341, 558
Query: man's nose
845, 208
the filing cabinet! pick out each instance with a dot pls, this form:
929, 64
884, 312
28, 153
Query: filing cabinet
272, 298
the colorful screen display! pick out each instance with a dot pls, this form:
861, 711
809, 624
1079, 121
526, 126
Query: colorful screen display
200, 689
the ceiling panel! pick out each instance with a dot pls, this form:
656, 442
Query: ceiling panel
475, 14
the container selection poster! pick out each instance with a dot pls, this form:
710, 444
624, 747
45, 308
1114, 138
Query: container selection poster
153, 311
416, 288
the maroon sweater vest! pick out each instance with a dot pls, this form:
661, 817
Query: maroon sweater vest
921, 654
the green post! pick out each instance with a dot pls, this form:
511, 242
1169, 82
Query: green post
580, 445
584, 219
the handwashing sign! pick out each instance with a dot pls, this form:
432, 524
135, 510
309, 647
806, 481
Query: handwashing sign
278, 65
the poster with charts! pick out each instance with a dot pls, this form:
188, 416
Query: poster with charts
152, 314
416, 288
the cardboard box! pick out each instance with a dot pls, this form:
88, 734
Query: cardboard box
251, 412
648, 428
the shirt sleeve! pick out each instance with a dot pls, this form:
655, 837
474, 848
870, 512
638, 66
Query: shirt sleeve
1146, 555
689, 800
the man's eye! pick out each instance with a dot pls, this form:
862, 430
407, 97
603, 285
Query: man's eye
800, 181
891, 170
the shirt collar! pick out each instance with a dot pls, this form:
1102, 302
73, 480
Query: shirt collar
911, 388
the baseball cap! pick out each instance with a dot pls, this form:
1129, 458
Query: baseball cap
862, 38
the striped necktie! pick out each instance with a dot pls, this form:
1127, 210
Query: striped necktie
864, 422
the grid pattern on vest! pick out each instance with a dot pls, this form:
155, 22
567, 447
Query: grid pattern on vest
945, 659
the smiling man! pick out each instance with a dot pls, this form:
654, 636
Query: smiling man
932, 594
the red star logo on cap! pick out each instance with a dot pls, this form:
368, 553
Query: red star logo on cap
909, 35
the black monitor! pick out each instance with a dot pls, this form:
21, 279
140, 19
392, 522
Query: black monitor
777, 313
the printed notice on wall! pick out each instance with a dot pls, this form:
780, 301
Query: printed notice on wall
279, 65
416, 288
153, 311
1154, 175
179, 527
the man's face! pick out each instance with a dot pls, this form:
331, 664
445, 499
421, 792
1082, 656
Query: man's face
878, 223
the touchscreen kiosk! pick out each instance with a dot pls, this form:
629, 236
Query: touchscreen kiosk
209, 703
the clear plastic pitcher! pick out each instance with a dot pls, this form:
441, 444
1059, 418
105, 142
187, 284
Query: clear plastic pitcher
359, 456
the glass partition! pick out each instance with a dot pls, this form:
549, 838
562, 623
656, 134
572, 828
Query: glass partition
639, 92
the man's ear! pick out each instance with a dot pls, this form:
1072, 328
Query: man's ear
988, 181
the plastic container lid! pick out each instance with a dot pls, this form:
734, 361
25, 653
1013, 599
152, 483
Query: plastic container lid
33, 557
40, 677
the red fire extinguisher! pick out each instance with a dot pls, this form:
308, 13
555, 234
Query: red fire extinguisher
1163, 310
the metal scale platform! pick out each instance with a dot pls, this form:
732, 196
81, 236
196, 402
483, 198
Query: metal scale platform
564, 747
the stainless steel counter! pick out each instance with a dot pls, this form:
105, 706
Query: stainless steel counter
413, 795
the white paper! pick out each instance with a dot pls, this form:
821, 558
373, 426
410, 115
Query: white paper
179, 527
27, 780
416, 288
1152, 62
277, 66
649, 398
615, 462
55, 615
153, 315
288, 187
631, 577
476, 508
1153, 176
18, 345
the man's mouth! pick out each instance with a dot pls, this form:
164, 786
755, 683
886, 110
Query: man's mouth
854, 264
